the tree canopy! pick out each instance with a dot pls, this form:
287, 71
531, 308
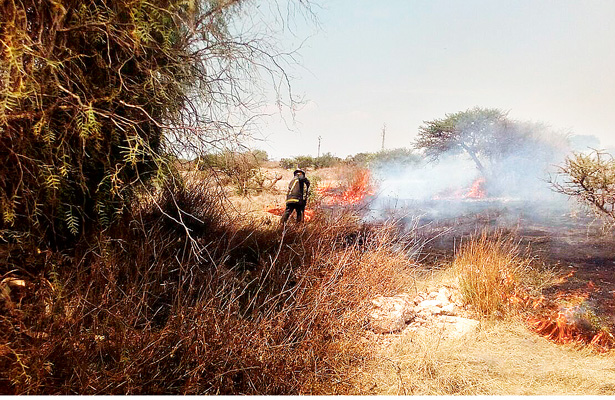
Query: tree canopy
481, 133
488, 137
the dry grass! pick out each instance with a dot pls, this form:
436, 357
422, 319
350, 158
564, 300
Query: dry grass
233, 303
226, 304
503, 358
491, 270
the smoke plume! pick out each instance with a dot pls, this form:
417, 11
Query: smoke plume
518, 178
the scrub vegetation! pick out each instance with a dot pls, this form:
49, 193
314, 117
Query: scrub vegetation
125, 270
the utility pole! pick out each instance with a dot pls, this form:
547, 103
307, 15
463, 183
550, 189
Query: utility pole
384, 131
319, 139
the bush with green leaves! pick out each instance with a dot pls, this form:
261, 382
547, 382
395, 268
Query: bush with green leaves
360, 159
297, 162
400, 157
327, 160
95, 94
243, 169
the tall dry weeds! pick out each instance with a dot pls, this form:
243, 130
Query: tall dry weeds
490, 268
218, 305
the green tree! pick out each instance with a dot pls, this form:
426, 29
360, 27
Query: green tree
243, 169
327, 160
481, 133
95, 94
497, 145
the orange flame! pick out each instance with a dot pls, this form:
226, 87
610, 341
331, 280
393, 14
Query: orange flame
307, 214
475, 191
603, 341
565, 325
562, 320
356, 192
560, 329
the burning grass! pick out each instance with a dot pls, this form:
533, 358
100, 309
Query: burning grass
496, 279
570, 319
233, 303
499, 279
353, 190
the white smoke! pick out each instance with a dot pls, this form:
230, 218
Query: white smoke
520, 178
424, 180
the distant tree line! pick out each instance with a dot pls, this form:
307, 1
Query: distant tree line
400, 156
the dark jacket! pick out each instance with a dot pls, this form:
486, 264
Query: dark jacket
298, 190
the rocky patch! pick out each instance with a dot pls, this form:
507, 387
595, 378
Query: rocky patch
440, 311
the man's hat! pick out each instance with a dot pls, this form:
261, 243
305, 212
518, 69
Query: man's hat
299, 170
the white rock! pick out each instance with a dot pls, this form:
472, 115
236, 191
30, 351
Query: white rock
430, 303
391, 314
435, 310
449, 309
443, 295
456, 327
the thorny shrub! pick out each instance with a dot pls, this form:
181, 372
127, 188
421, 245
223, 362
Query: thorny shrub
241, 170
98, 96
589, 179
219, 305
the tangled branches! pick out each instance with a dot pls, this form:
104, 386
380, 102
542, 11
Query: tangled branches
96, 95
590, 178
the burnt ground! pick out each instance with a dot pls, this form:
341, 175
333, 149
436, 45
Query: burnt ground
570, 243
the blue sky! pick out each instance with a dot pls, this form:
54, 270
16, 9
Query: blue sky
400, 63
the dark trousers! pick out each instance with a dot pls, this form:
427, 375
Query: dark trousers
299, 207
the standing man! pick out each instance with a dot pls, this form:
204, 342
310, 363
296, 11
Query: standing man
297, 195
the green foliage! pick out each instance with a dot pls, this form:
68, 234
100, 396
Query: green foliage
327, 160
490, 139
590, 179
287, 163
242, 168
297, 162
400, 157
362, 159
260, 155
95, 94
304, 162
479, 132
